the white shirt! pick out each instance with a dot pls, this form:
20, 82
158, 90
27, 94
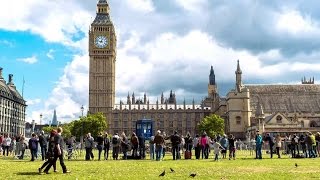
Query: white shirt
7, 141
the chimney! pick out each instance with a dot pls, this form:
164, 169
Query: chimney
1, 78
11, 80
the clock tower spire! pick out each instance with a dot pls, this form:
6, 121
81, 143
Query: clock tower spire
102, 60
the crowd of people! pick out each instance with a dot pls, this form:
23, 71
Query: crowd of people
52, 146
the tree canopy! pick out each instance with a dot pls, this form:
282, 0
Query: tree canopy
212, 125
93, 123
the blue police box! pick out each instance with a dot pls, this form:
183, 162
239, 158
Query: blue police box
145, 126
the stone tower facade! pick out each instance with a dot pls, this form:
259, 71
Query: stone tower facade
102, 53
238, 108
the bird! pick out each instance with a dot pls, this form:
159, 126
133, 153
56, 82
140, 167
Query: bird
193, 175
171, 170
163, 173
296, 165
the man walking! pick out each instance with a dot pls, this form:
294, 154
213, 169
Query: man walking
33, 146
58, 152
89, 145
43, 145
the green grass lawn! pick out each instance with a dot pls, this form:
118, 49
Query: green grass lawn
244, 167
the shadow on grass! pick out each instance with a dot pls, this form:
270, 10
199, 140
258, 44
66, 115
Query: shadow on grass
27, 173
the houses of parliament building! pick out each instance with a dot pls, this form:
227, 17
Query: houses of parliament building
245, 109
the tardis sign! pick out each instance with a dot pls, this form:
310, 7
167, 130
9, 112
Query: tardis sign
145, 127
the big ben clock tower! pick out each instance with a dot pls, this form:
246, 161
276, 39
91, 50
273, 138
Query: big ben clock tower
102, 53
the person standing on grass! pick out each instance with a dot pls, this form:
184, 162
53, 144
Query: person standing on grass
135, 145
50, 153
33, 146
259, 143
13, 146
115, 146
106, 146
142, 146
58, 152
303, 145
197, 146
6, 144
23, 146
232, 147
278, 145
158, 141
216, 149
224, 143
204, 145
189, 142
89, 145
43, 145
124, 145
317, 136
152, 148
164, 147
175, 141
270, 141
99, 145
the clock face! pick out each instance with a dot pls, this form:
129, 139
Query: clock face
101, 41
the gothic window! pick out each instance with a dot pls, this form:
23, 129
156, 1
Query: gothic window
279, 119
125, 124
115, 116
238, 120
116, 124
313, 124
133, 123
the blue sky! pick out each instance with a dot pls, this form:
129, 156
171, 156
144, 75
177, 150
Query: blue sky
162, 45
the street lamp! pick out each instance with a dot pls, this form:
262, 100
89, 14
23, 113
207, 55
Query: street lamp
40, 118
82, 109
81, 137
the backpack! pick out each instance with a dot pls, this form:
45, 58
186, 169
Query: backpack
259, 140
134, 140
114, 140
33, 144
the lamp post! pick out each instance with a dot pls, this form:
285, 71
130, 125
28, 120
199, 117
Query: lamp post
81, 137
40, 118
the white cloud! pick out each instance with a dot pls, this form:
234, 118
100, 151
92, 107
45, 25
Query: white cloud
294, 22
192, 5
145, 6
29, 60
50, 54
33, 101
55, 21
71, 91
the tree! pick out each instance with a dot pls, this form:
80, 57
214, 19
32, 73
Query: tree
212, 125
48, 129
93, 123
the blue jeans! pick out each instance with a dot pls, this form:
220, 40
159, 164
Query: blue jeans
152, 151
258, 151
43, 152
175, 152
158, 152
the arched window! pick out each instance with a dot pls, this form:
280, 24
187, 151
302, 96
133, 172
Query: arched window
238, 120
313, 124
279, 119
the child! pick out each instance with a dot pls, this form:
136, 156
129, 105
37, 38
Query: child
216, 149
